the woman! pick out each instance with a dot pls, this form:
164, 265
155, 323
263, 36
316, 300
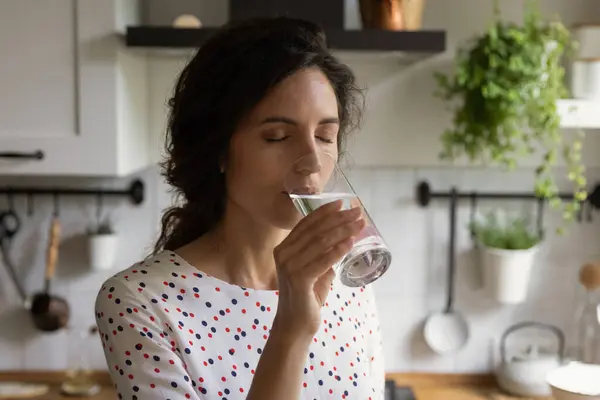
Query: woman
238, 300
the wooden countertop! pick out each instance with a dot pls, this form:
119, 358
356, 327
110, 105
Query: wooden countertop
425, 386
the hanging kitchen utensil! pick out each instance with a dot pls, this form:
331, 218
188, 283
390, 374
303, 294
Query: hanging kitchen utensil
448, 331
50, 312
10, 224
525, 374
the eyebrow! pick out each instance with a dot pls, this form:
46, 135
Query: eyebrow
289, 121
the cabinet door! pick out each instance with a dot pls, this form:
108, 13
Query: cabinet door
60, 81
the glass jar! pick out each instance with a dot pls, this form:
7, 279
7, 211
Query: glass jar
588, 319
80, 380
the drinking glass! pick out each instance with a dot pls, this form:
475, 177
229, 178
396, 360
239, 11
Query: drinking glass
316, 179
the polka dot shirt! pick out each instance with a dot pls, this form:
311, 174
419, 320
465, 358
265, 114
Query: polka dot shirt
170, 331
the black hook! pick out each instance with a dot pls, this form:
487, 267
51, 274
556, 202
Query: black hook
29, 204
11, 201
473, 213
579, 215
99, 208
540, 217
56, 204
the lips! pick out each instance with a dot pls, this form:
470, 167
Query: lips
303, 190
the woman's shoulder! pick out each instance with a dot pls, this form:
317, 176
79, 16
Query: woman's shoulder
160, 276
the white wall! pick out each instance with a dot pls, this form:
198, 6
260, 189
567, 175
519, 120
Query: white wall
401, 109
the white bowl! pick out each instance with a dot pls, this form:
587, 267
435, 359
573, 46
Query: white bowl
575, 381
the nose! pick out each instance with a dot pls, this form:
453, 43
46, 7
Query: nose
310, 163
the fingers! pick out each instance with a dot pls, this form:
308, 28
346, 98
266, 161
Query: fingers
322, 242
322, 263
313, 218
318, 229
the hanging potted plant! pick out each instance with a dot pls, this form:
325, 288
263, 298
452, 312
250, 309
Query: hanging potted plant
102, 245
507, 248
503, 94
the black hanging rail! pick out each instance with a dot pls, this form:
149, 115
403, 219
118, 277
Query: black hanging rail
135, 191
425, 195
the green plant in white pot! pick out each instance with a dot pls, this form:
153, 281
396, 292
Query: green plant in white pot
102, 245
507, 247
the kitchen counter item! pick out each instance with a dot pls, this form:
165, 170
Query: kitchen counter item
395, 392
575, 381
22, 390
80, 379
588, 325
50, 312
446, 332
525, 374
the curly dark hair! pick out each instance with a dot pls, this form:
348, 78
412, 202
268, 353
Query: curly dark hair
226, 78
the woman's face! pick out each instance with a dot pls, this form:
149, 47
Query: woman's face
298, 117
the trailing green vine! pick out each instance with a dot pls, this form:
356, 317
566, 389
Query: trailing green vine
508, 82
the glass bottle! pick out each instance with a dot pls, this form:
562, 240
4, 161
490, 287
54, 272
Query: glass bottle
80, 380
588, 324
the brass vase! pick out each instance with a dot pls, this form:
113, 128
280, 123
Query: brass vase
394, 15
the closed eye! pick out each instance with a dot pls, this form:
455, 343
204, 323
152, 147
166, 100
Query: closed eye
274, 140
325, 140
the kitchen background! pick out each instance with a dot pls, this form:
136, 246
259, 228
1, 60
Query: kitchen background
396, 149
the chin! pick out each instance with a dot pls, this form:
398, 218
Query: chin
285, 220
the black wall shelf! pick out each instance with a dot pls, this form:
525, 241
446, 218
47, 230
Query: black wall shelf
167, 37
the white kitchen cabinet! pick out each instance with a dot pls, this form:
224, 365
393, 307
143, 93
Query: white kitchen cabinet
70, 90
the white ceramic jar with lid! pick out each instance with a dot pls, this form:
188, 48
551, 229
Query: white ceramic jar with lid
585, 76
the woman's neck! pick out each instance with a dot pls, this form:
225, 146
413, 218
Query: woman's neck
238, 251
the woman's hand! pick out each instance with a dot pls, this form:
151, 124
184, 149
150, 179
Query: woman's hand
304, 264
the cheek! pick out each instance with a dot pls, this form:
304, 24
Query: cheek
252, 173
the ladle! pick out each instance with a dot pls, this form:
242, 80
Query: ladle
50, 312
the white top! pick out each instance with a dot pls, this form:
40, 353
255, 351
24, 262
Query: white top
170, 331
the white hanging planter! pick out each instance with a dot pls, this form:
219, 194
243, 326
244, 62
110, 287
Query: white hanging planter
507, 273
102, 250
102, 246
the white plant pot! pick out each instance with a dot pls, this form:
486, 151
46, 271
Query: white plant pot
102, 250
506, 273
